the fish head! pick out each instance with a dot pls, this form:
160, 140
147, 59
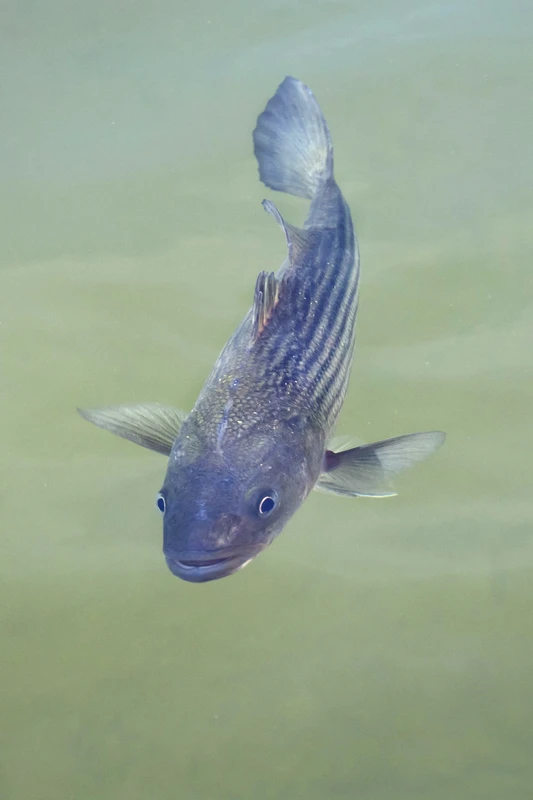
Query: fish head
221, 508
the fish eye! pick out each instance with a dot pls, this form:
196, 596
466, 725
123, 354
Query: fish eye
267, 503
161, 503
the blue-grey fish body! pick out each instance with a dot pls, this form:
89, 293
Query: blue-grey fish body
255, 443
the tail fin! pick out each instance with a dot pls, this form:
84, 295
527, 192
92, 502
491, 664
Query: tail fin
292, 142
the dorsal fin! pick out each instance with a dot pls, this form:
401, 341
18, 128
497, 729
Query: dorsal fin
266, 297
298, 239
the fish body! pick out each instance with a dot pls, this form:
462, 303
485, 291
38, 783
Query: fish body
255, 443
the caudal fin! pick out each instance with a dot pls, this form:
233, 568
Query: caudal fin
292, 142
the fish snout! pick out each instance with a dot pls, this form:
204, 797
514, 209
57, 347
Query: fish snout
221, 533
212, 550
202, 569
204, 539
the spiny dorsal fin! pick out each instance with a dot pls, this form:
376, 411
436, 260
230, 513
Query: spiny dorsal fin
265, 300
298, 239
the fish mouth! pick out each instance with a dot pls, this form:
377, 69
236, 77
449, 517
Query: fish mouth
200, 570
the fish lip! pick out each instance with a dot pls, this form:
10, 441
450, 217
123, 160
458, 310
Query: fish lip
203, 569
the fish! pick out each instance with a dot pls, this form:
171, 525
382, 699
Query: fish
257, 440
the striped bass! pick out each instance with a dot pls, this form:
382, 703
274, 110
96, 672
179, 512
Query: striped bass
256, 442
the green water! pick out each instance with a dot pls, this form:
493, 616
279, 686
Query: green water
379, 650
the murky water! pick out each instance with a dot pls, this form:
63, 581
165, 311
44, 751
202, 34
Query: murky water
379, 649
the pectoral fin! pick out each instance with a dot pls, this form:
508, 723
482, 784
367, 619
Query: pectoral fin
366, 471
151, 425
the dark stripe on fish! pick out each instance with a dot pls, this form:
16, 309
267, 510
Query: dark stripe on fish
324, 298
